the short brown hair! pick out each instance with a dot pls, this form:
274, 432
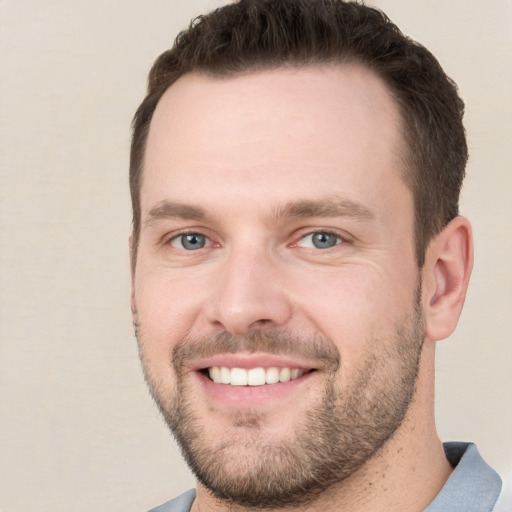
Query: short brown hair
252, 35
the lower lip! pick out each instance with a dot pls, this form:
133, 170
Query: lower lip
251, 396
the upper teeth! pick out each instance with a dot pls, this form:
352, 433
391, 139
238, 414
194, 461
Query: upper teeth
252, 377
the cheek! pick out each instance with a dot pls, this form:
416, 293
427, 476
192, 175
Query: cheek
355, 306
166, 309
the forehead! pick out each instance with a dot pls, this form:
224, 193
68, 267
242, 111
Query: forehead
329, 124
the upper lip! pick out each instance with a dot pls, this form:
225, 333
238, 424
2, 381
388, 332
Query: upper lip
249, 361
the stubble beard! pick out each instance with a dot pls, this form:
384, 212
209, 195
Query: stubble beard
329, 444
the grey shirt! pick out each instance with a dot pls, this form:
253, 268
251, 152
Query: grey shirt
472, 487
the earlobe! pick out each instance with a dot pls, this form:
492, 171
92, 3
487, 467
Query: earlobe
446, 276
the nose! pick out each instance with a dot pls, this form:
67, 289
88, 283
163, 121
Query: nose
250, 294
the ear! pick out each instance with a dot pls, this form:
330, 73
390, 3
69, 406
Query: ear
132, 271
446, 273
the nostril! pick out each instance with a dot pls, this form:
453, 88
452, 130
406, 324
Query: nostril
263, 321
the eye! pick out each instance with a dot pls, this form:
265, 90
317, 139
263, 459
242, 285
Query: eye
320, 240
190, 241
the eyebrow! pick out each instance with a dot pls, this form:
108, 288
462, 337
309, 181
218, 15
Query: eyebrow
323, 208
294, 209
171, 210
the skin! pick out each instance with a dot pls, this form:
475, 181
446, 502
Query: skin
323, 134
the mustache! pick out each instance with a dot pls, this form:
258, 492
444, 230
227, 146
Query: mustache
315, 348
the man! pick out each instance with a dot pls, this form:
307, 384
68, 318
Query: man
296, 253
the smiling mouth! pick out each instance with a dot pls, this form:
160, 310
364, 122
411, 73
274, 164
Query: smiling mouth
253, 377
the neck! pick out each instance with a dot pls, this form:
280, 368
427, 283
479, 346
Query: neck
406, 474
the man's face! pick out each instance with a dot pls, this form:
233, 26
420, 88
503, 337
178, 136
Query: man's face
277, 245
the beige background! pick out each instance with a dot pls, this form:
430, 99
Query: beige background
77, 429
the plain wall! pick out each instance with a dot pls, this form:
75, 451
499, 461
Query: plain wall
77, 428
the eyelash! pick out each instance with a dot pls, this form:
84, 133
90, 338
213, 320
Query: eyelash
209, 243
183, 234
339, 238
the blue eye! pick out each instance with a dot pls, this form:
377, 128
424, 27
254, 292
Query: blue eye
320, 240
190, 241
